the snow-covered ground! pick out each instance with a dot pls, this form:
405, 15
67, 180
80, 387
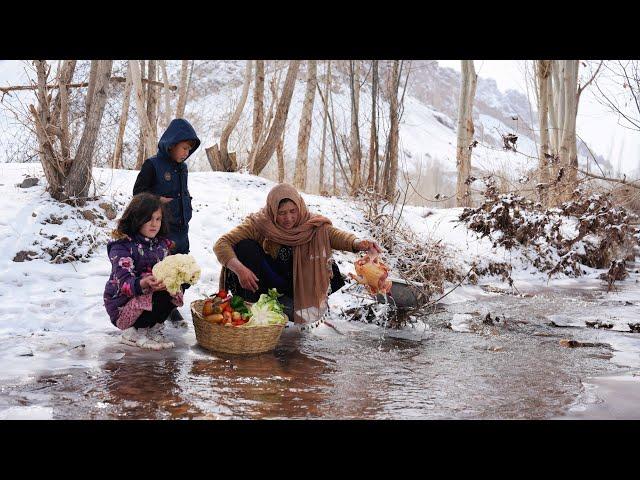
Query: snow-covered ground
52, 316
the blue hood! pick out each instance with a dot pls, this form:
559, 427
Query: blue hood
177, 131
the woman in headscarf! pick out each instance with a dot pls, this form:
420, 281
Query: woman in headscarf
286, 247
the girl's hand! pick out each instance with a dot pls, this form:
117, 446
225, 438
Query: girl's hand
150, 282
368, 245
165, 199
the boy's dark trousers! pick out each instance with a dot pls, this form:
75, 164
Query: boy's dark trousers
181, 238
161, 308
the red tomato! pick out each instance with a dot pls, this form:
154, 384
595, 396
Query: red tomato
222, 294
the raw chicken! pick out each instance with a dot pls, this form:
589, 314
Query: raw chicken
373, 273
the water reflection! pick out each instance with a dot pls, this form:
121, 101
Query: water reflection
146, 389
514, 369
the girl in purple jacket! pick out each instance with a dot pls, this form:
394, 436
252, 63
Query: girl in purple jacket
136, 302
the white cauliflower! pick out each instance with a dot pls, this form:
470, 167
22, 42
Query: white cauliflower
175, 270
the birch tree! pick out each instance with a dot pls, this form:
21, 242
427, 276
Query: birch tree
265, 152
564, 99
391, 177
142, 141
152, 100
304, 132
355, 151
258, 105
373, 139
219, 157
166, 117
327, 83
122, 124
468, 82
80, 174
148, 143
68, 176
182, 89
543, 87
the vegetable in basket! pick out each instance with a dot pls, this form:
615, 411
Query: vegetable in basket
267, 310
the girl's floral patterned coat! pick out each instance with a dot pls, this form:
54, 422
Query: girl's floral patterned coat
131, 260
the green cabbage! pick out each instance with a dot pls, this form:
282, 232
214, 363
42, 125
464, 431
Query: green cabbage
267, 310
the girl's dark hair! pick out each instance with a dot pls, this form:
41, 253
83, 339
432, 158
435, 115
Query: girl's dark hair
139, 212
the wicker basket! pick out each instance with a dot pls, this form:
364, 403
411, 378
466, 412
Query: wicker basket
219, 338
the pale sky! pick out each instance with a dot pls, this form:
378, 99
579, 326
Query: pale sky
595, 124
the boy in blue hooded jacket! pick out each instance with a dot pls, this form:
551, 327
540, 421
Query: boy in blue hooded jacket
165, 174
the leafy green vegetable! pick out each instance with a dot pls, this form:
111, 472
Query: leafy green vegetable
267, 310
237, 303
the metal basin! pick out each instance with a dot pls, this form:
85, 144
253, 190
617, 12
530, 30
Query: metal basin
404, 294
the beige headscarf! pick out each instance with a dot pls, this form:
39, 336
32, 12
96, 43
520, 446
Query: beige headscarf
309, 238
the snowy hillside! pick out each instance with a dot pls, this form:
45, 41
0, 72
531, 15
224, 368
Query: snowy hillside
427, 130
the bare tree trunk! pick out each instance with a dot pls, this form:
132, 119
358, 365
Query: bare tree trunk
61, 108
145, 129
92, 81
468, 83
324, 127
394, 132
141, 139
373, 143
80, 175
355, 152
275, 132
166, 117
568, 147
152, 99
280, 155
227, 163
53, 166
274, 85
258, 105
304, 132
556, 105
543, 80
189, 82
122, 125
182, 90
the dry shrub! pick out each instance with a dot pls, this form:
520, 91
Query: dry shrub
603, 231
414, 259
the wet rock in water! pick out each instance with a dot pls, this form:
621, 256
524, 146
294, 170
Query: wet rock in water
23, 255
461, 322
577, 344
563, 321
598, 324
634, 327
28, 182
